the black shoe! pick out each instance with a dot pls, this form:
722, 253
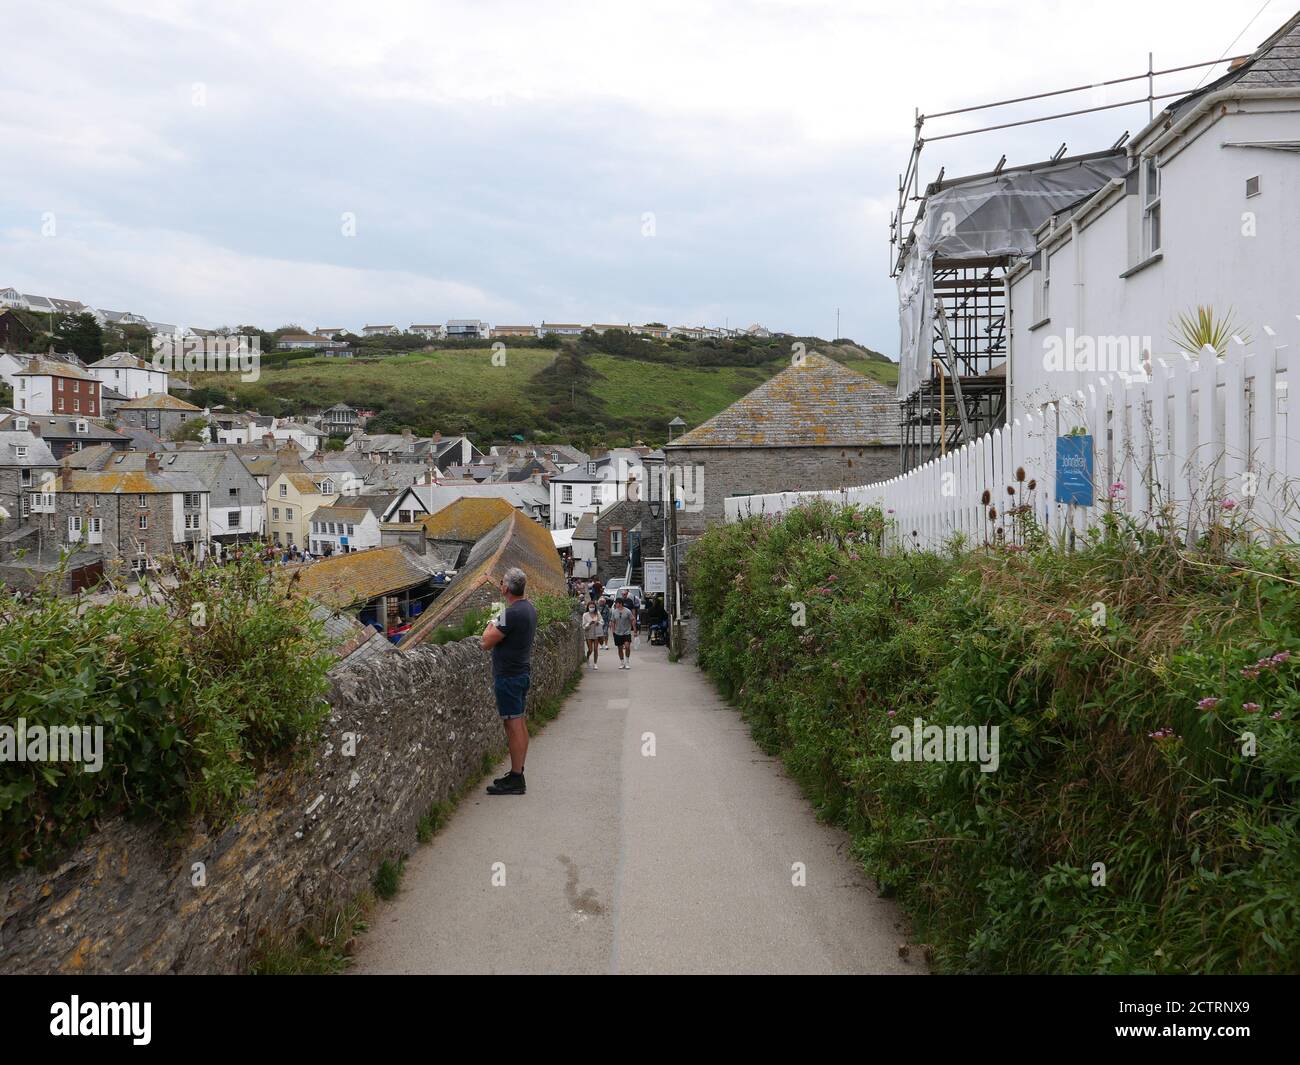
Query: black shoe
512, 784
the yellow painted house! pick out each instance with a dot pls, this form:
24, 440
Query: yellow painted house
291, 499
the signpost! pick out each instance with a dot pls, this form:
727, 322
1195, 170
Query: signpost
655, 578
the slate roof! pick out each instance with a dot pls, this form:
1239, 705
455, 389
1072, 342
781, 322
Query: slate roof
516, 541
360, 576
124, 359
61, 427
339, 512
159, 401
1275, 64
818, 403
39, 367
38, 451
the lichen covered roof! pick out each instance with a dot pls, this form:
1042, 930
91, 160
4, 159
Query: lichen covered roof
159, 401
516, 541
468, 519
360, 576
815, 403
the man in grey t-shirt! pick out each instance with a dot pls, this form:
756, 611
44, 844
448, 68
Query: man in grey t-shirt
510, 639
622, 623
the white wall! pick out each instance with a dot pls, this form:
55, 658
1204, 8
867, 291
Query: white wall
1213, 253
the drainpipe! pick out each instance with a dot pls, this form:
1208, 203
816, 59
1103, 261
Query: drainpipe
1075, 239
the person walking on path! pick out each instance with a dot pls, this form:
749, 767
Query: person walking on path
510, 639
605, 614
634, 605
623, 622
592, 626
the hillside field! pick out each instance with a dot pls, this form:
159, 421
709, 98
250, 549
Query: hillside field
540, 393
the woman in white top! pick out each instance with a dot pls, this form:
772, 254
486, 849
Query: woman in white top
593, 625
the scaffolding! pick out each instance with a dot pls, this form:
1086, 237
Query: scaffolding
950, 250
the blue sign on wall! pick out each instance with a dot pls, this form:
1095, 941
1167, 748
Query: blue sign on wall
1074, 470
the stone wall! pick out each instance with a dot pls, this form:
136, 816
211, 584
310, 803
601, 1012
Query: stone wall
130, 900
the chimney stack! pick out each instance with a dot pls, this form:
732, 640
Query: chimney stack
437, 437
151, 462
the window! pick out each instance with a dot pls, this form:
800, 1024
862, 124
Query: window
26, 478
82, 426
20, 452
275, 513
1150, 207
60, 380
234, 493
76, 406
288, 513
74, 527
20, 425
566, 493
191, 522
284, 491
327, 487
142, 501
352, 530
615, 541
96, 526
192, 500
1252, 186
404, 517
144, 521
233, 519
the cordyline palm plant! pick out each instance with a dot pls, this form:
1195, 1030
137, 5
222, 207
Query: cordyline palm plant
1201, 328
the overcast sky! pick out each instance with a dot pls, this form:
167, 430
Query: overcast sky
685, 162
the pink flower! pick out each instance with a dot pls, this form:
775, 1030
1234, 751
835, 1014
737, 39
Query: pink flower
1162, 734
1250, 672
1208, 703
892, 713
1250, 708
1281, 657
1118, 486
1229, 504
1276, 715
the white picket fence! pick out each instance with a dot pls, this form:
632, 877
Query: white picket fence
1195, 438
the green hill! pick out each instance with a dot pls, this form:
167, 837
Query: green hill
607, 390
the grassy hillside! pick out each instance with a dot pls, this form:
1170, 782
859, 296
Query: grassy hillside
608, 390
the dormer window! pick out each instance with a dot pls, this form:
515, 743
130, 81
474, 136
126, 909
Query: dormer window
20, 424
21, 453
82, 426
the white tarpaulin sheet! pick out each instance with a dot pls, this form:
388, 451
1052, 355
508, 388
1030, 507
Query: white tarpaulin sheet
982, 217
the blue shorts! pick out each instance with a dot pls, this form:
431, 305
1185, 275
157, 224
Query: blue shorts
511, 693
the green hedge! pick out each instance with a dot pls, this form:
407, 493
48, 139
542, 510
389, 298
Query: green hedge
1107, 752
194, 692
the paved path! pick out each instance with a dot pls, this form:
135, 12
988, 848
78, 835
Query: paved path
619, 862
